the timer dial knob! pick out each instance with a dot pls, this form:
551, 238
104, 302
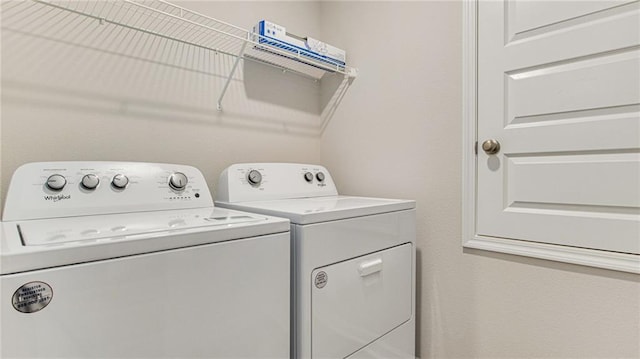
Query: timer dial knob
320, 176
254, 177
178, 181
90, 181
120, 181
56, 182
308, 176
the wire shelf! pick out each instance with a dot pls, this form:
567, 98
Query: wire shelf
168, 21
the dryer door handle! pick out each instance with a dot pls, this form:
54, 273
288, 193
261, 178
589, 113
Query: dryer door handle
369, 267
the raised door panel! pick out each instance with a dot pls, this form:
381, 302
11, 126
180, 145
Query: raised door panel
527, 17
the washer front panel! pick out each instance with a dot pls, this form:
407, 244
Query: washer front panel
206, 301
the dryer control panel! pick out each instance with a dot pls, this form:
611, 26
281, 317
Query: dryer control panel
63, 189
268, 181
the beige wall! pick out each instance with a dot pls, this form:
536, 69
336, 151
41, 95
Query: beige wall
396, 133
61, 101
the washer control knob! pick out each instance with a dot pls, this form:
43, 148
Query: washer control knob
120, 181
254, 177
56, 182
308, 176
320, 176
178, 181
90, 181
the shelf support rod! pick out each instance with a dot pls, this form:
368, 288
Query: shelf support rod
233, 70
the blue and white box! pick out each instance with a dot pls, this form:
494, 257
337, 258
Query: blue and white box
276, 36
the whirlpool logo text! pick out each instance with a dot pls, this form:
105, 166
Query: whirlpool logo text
57, 198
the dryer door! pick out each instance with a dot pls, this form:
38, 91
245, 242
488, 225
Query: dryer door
359, 300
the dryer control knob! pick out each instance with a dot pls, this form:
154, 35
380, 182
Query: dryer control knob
320, 176
308, 176
90, 181
178, 181
254, 177
120, 181
56, 182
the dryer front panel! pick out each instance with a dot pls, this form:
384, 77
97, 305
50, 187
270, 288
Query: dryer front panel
357, 301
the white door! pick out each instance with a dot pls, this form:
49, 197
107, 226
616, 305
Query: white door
559, 89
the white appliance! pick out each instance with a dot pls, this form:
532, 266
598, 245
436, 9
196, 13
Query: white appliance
353, 259
124, 260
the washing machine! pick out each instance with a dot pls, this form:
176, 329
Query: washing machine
132, 260
353, 259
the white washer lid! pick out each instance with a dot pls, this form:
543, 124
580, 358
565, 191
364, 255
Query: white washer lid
36, 244
322, 209
78, 230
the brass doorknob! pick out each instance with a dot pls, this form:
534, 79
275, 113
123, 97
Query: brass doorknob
491, 147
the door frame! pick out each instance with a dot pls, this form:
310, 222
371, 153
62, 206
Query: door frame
470, 238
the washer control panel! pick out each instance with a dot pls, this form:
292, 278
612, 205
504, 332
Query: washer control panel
266, 181
63, 189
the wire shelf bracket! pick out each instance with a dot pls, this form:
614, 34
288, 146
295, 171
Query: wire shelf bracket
233, 70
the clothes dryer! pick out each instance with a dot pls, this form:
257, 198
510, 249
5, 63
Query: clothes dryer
124, 260
353, 259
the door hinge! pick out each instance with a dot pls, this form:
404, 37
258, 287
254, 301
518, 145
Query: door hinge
476, 148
